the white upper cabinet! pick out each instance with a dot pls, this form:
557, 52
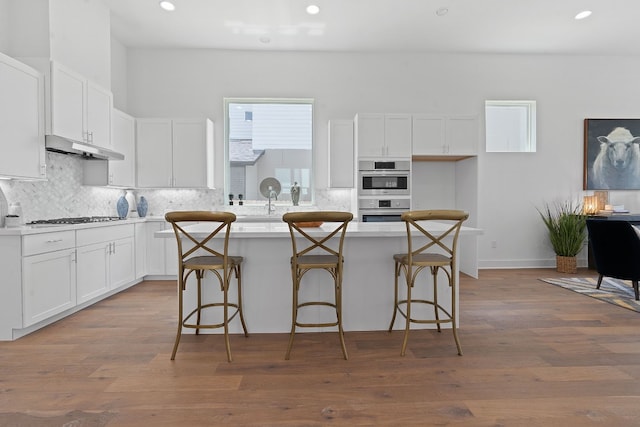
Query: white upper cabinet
445, 136
383, 135
21, 120
154, 152
80, 109
120, 173
341, 154
123, 137
174, 153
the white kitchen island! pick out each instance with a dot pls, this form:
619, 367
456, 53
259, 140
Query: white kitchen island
367, 280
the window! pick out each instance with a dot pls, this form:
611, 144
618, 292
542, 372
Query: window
510, 126
270, 138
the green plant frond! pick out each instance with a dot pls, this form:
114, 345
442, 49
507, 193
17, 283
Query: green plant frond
567, 227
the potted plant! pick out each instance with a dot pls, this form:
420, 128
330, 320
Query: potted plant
567, 232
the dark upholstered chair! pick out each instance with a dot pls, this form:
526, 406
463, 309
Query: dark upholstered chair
616, 250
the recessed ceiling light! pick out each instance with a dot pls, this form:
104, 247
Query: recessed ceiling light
312, 9
583, 14
442, 11
167, 5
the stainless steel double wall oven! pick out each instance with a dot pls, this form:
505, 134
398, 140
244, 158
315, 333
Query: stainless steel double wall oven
384, 189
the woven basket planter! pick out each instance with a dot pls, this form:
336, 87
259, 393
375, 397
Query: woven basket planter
566, 264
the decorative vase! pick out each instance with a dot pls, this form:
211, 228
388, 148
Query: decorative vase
143, 205
566, 264
122, 206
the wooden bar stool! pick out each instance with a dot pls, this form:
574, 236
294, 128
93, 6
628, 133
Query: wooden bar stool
314, 248
198, 255
439, 253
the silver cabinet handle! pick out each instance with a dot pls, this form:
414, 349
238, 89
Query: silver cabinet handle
54, 241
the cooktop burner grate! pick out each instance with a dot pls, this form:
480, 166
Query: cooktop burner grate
74, 220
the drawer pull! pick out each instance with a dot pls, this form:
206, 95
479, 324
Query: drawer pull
54, 241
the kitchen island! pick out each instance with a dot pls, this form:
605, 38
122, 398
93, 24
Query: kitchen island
367, 280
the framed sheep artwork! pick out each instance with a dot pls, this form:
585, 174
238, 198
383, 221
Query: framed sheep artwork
611, 154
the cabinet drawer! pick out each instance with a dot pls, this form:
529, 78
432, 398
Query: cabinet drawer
90, 236
47, 242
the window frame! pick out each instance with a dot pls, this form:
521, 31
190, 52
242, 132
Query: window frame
250, 100
529, 145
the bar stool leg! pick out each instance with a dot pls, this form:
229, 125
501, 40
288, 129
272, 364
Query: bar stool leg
395, 295
338, 293
225, 308
239, 279
294, 313
434, 272
407, 326
454, 324
179, 333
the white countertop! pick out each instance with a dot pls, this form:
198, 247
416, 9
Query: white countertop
280, 229
27, 229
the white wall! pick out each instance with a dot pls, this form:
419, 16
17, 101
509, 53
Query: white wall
119, 74
511, 186
80, 36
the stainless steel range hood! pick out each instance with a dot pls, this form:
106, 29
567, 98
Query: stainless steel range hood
58, 144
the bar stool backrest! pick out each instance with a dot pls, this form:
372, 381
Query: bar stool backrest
180, 219
333, 223
452, 221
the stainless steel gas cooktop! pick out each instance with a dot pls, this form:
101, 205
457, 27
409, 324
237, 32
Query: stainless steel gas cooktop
73, 220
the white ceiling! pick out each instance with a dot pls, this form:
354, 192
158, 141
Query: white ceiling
485, 26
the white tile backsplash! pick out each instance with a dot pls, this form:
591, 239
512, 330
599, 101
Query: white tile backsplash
64, 195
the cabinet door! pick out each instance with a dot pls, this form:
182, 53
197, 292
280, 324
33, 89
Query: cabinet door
121, 262
341, 154
428, 135
21, 120
397, 135
122, 172
155, 249
189, 153
462, 135
154, 153
140, 234
68, 99
99, 106
92, 271
49, 285
370, 135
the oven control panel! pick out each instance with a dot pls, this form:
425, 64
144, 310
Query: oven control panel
399, 203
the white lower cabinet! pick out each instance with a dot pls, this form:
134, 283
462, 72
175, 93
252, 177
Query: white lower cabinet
92, 271
140, 232
49, 285
48, 275
105, 260
162, 254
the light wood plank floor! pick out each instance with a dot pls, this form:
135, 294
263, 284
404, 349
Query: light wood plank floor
534, 355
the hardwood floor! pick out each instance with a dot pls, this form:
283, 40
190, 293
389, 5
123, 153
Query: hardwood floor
534, 355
